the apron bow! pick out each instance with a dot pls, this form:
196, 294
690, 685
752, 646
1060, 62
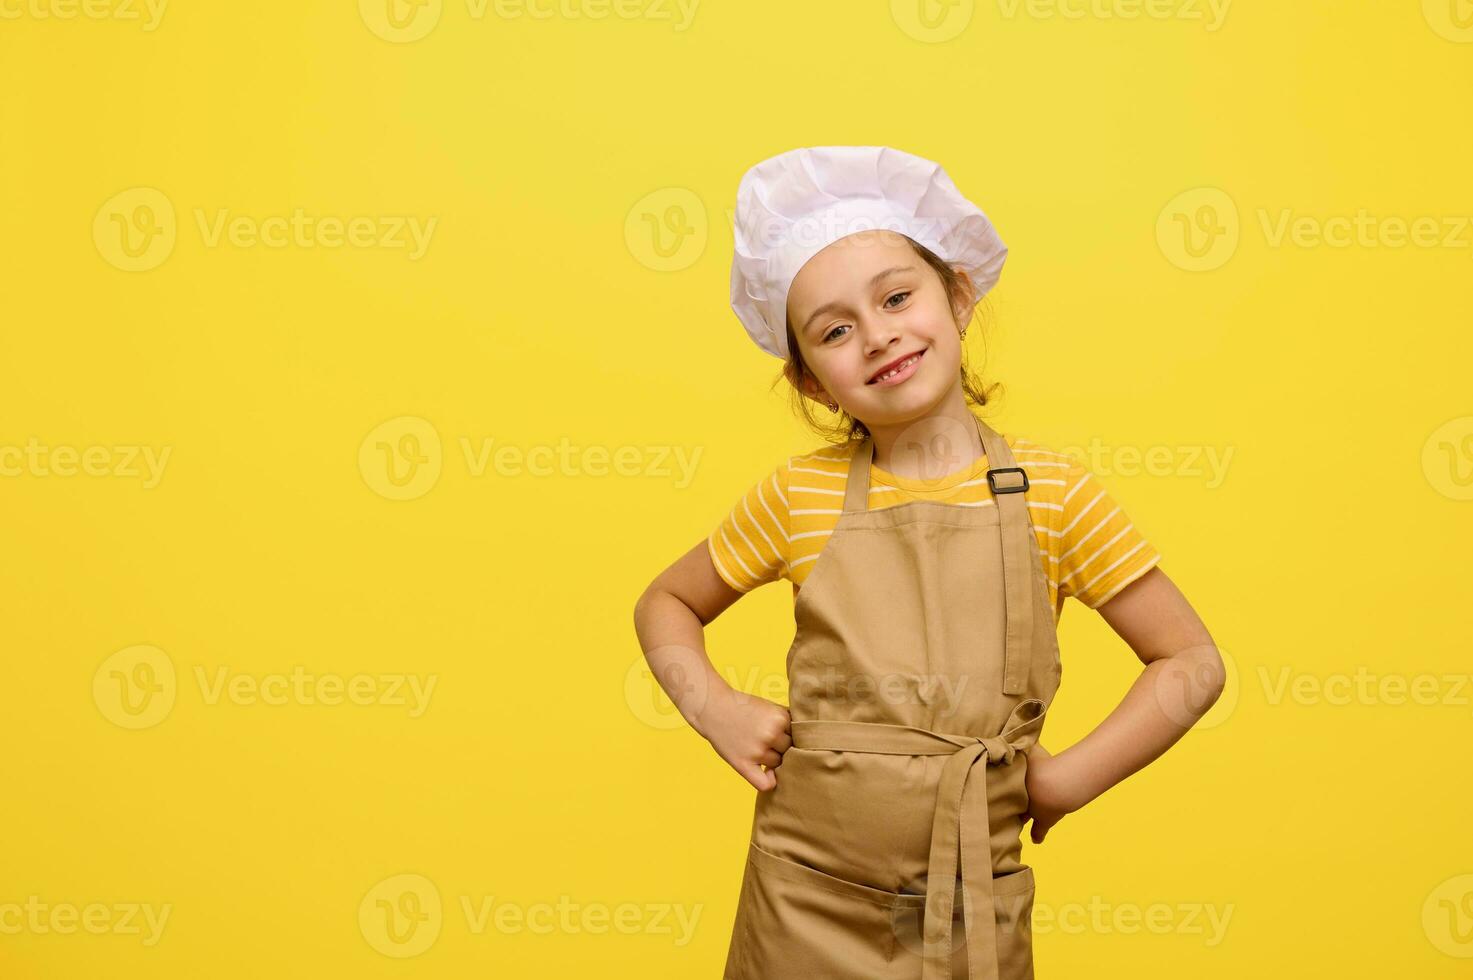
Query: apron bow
961, 831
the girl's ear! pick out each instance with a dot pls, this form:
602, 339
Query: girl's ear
807, 385
963, 303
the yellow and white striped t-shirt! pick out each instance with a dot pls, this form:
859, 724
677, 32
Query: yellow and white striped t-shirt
1090, 548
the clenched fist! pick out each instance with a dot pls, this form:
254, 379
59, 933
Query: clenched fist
748, 732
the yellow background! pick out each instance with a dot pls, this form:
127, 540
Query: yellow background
543, 769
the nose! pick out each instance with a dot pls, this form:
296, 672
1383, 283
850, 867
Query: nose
879, 335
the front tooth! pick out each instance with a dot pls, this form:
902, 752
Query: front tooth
903, 365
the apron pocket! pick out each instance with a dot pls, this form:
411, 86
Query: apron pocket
736, 949
1012, 901
802, 923
1012, 906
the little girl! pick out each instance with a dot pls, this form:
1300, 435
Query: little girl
929, 557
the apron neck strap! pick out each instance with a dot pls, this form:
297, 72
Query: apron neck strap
1007, 481
856, 488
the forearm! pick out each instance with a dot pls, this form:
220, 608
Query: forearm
1171, 695
674, 643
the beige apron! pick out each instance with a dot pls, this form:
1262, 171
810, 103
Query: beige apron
923, 662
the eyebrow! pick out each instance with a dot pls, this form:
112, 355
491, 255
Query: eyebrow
874, 280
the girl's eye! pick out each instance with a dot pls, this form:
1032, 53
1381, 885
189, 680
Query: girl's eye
900, 296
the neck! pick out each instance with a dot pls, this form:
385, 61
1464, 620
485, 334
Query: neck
930, 446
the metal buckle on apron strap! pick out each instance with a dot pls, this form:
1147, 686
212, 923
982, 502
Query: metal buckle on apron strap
992, 480
961, 824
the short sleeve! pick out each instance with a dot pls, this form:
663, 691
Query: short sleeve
750, 547
1100, 550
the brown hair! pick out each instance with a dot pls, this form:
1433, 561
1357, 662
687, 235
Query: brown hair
849, 429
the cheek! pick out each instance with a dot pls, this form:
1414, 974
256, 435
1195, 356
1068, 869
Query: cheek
947, 349
835, 369
931, 321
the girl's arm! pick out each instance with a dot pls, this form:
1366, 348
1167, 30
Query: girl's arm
670, 618
1183, 677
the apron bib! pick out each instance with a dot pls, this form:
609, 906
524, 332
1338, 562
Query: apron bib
923, 661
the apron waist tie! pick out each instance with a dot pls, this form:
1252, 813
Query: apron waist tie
961, 825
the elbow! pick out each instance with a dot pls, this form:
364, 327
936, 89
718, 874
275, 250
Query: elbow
643, 602
1211, 671
649, 602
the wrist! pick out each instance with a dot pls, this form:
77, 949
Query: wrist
701, 711
1068, 781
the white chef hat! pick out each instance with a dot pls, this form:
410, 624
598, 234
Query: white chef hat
789, 207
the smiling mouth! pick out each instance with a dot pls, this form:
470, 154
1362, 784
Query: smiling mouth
897, 369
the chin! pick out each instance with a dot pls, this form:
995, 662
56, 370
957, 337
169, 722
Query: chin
914, 405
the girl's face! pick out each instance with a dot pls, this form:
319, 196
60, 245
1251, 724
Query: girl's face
860, 305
